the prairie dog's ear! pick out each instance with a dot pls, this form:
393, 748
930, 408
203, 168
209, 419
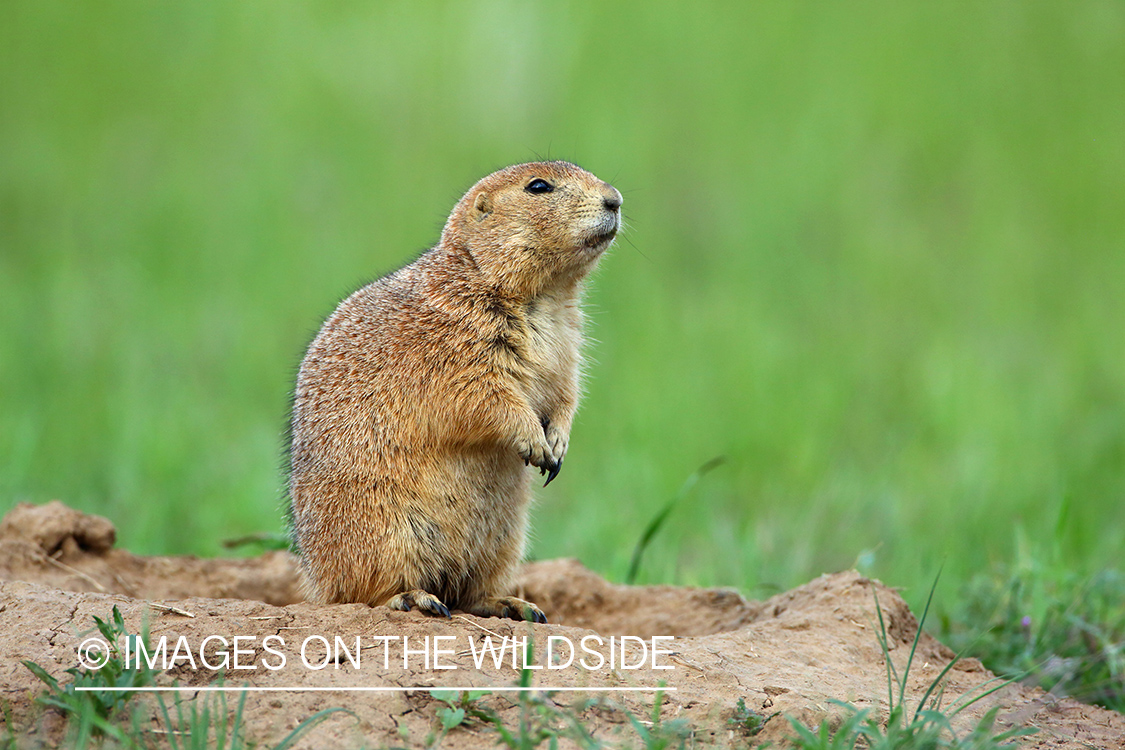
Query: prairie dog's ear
482, 206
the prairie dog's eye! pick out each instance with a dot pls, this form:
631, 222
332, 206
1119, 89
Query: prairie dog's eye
538, 186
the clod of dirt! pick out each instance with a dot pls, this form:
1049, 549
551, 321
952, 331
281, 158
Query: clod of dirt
729, 658
62, 547
54, 528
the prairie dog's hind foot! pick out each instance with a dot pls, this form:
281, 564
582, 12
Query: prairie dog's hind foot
421, 600
507, 606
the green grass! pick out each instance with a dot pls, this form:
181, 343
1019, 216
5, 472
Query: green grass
1053, 628
873, 257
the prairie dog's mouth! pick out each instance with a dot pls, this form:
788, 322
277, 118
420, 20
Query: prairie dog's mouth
600, 238
604, 231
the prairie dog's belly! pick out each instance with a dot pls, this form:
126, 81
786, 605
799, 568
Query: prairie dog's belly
480, 505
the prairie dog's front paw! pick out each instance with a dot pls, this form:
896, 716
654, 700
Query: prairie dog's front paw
557, 438
536, 449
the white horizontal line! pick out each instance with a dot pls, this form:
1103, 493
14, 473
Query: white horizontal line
212, 689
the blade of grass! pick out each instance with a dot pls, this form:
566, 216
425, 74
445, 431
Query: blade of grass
881, 636
659, 519
308, 724
917, 637
237, 721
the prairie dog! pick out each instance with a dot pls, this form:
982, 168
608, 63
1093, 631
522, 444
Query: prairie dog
427, 393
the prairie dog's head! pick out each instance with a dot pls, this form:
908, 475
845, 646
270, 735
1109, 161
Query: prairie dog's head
530, 226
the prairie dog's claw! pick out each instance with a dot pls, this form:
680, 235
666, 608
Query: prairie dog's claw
544, 452
420, 600
510, 607
554, 472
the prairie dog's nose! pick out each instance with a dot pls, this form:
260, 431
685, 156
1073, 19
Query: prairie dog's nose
611, 199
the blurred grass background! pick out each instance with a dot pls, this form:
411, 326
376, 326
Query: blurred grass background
875, 256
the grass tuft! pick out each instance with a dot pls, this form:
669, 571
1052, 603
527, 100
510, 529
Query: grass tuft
930, 727
203, 725
748, 721
92, 713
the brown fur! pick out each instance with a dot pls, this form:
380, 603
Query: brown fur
426, 394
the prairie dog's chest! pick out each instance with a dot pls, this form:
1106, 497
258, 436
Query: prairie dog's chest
554, 335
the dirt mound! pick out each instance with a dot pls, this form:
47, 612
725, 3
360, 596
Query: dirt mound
791, 655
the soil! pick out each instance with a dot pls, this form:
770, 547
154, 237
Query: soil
790, 656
